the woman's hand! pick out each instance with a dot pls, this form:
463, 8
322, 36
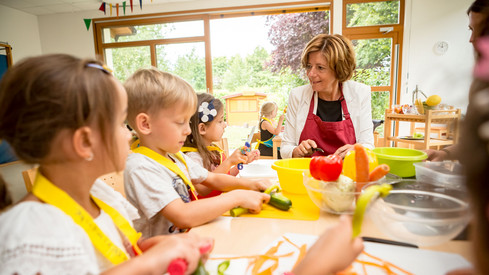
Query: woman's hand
161, 250
333, 251
304, 149
343, 150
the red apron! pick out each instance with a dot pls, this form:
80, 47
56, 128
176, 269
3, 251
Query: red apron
328, 135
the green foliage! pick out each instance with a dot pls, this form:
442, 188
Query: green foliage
373, 13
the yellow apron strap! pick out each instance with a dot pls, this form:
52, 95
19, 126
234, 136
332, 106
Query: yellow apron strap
51, 194
188, 149
168, 164
135, 144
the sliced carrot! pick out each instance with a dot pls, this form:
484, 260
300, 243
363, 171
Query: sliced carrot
361, 166
379, 172
302, 253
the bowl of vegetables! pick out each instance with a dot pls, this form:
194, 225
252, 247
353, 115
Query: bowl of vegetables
421, 213
334, 188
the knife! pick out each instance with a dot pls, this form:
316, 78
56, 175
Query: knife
384, 241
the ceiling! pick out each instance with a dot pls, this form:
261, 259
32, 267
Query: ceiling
43, 7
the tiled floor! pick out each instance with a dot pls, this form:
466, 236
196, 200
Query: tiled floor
12, 174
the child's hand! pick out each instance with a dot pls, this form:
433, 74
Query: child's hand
258, 184
251, 200
237, 157
162, 250
252, 156
336, 245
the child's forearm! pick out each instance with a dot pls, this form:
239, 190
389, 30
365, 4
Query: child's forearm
224, 167
224, 182
195, 213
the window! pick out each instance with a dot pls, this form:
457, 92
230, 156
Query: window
376, 28
183, 45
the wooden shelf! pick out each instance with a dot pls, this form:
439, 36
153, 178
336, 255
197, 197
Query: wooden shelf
451, 116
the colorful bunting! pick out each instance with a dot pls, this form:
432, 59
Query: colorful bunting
87, 23
102, 7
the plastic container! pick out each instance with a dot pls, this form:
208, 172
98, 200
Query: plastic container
446, 173
421, 213
289, 173
400, 160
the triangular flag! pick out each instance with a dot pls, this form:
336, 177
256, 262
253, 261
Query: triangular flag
131, 4
124, 7
102, 7
117, 9
87, 23
141, 4
110, 5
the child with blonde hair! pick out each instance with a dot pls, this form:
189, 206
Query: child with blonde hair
208, 126
67, 115
268, 129
162, 182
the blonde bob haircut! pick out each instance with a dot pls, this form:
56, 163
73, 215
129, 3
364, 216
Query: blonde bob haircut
338, 51
151, 90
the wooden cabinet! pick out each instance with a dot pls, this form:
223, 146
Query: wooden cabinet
450, 118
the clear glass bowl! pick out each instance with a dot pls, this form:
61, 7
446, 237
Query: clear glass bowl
421, 213
336, 197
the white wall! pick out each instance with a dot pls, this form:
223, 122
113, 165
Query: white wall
21, 31
448, 75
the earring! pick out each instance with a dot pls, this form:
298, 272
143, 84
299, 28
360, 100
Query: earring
89, 158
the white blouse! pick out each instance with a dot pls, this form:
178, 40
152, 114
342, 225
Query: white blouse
38, 238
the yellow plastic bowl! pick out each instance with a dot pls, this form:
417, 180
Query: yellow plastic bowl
289, 173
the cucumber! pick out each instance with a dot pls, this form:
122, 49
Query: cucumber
279, 201
200, 270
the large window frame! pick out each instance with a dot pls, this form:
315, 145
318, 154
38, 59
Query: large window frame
205, 15
372, 32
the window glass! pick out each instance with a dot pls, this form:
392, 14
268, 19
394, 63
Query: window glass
154, 31
380, 102
125, 61
187, 60
372, 13
374, 61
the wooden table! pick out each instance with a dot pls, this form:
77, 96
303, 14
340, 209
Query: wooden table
233, 235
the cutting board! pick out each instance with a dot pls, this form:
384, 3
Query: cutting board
416, 261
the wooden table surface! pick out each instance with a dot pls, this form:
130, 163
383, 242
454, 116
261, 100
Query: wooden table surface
248, 235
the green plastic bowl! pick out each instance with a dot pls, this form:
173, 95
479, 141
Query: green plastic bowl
400, 160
